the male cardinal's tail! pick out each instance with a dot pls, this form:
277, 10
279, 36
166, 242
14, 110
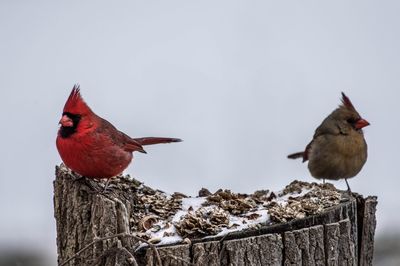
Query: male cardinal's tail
296, 155
155, 140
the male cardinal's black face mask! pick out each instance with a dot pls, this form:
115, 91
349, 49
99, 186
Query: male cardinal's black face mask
69, 122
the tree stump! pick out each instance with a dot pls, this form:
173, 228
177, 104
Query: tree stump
97, 227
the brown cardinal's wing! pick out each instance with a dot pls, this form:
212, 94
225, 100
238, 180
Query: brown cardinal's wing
302, 154
327, 127
306, 151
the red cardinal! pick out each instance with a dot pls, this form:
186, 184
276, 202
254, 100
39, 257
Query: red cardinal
338, 149
92, 146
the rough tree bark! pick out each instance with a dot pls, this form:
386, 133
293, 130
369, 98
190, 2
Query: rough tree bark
342, 235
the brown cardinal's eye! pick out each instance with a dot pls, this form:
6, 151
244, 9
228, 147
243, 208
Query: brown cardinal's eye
352, 121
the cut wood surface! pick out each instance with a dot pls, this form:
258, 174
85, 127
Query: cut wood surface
97, 227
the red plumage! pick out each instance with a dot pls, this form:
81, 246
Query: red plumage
92, 146
75, 104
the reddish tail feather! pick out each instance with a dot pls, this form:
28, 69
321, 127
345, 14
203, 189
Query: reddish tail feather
296, 155
155, 140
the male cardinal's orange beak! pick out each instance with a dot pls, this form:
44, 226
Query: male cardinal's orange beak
65, 121
361, 123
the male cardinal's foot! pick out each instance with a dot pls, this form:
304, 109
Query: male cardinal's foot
106, 185
78, 178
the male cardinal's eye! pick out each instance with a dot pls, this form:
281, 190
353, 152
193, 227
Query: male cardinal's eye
72, 116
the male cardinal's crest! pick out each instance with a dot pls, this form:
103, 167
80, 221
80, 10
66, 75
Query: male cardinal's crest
75, 103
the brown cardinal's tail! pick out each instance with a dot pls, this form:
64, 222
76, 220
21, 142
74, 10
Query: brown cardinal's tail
155, 140
296, 155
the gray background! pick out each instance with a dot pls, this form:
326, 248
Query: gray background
244, 83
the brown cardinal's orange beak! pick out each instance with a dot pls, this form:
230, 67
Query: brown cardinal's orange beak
361, 123
65, 121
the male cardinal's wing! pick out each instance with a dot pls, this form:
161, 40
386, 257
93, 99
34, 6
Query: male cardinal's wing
118, 138
131, 144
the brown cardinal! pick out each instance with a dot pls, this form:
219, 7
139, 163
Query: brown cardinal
92, 146
338, 149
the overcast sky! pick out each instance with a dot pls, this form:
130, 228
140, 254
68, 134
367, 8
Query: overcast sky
244, 83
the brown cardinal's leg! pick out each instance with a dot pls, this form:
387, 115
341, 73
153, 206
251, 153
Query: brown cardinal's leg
348, 187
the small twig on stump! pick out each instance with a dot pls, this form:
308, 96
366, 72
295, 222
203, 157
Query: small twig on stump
221, 244
131, 257
116, 251
114, 236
